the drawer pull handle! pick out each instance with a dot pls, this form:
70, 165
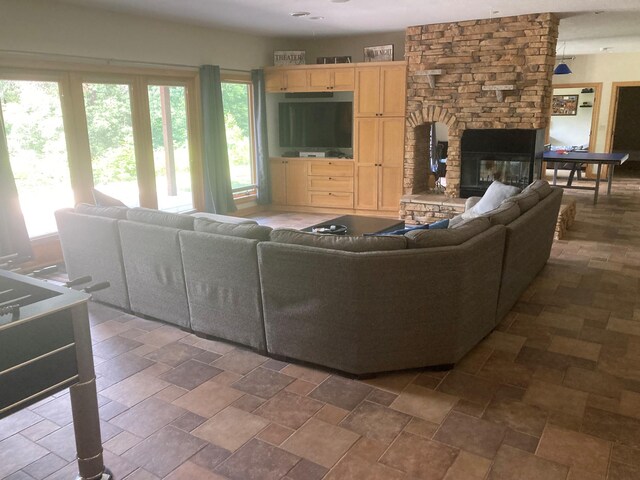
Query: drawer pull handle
330, 178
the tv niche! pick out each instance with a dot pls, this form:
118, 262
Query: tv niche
316, 124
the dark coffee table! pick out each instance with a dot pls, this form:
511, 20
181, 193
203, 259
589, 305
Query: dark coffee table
357, 225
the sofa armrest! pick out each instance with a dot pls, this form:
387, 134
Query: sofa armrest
471, 201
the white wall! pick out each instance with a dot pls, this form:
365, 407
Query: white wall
349, 45
606, 68
570, 130
54, 28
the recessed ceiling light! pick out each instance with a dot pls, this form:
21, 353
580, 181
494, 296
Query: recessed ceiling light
495, 12
300, 14
598, 12
606, 49
338, 1
316, 18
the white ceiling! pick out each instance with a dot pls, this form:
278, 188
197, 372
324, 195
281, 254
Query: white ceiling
618, 26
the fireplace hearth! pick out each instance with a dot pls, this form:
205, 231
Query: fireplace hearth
511, 156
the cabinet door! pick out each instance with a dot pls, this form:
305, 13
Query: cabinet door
278, 181
274, 80
296, 182
393, 81
365, 140
367, 187
319, 79
367, 96
295, 80
391, 137
344, 79
389, 188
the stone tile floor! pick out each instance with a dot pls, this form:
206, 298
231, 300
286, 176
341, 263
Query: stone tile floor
552, 393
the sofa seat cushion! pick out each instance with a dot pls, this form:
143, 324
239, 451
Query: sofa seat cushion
224, 218
541, 187
339, 242
161, 219
119, 213
445, 237
244, 230
526, 200
504, 214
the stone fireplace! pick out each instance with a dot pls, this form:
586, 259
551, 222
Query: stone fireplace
478, 74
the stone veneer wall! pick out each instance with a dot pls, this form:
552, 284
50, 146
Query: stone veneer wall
518, 51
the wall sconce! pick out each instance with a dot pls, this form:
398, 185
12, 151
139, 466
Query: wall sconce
499, 89
431, 75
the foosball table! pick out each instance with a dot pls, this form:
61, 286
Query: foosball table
45, 347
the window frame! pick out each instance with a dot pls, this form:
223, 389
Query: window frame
70, 75
249, 192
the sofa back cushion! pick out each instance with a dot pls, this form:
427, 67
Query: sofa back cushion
525, 200
339, 242
244, 230
119, 213
224, 218
448, 236
504, 214
161, 219
541, 187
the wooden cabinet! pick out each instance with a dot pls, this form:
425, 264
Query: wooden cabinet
286, 80
312, 79
330, 183
379, 143
288, 181
380, 90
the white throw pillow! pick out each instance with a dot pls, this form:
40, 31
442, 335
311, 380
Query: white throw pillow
492, 198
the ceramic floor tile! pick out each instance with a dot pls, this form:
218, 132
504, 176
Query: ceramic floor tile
208, 399
517, 415
231, 428
320, 442
420, 458
289, 409
556, 397
354, 468
164, 451
17, 452
134, 389
576, 348
426, 404
239, 361
174, 354
376, 422
258, 461
190, 374
473, 435
263, 382
468, 466
515, 464
341, 392
576, 450
147, 417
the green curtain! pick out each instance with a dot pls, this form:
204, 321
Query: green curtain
217, 176
13, 231
261, 146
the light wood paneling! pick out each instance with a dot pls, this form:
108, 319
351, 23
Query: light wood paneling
334, 168
278, 181
330, 184
344, 79
393, 85
367, 93
331, 199
296, 183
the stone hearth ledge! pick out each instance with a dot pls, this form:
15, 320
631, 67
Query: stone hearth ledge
421, 208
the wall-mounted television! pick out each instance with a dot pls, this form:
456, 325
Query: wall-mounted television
316, 124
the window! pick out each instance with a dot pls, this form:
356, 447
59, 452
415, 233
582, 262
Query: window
236, 97
37, 150
168, 111
113, 159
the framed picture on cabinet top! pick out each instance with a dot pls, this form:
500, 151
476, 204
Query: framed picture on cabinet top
564, 105
380, 53
289, 57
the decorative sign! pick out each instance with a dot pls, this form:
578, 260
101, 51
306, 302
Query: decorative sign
381, 53
345, 59
563, 105
289, 57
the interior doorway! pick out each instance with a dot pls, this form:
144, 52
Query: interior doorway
624, 125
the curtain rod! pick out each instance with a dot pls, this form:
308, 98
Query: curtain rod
110, 61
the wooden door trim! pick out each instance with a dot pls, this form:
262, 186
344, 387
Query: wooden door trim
613, 110
595, 115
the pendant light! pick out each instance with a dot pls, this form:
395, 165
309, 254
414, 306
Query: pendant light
562, 68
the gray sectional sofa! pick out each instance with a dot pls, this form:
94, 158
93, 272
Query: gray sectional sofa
356, 304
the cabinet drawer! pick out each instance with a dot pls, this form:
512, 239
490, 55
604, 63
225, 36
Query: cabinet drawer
330, 184
331, 168
331, 199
